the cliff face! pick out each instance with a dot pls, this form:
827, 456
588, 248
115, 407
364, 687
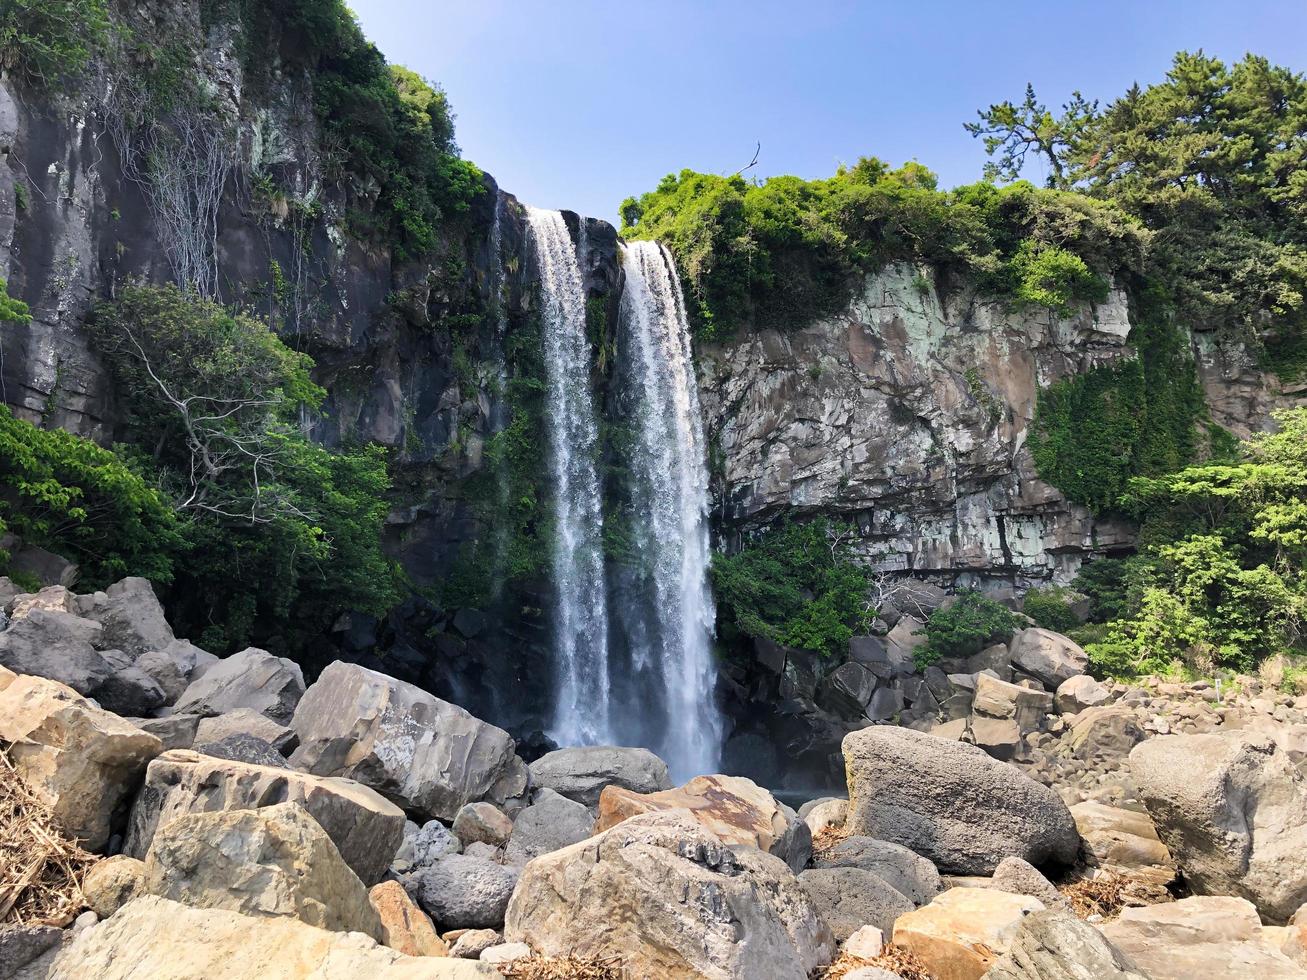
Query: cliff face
909, 413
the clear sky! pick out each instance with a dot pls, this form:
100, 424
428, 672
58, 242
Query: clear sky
579, 103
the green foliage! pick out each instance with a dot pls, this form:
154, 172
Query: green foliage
1013, 132
781, 252
12, 310
964, 628
64, 493
796, 584
1050, 608
281, 534
1092, 432
1103, 580
50, 41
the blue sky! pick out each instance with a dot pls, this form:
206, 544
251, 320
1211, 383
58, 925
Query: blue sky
575, 104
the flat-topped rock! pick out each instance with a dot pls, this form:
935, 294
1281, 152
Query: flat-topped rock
581, 773
736, 810
964, 931
253, 679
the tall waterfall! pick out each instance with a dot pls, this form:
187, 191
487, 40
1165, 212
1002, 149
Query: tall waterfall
582, 708
670, 491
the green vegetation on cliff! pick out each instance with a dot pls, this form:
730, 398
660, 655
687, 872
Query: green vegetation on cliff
964, 627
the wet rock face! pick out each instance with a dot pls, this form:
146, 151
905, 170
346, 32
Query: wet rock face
909, 412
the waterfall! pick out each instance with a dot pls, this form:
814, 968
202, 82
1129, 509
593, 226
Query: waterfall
582, 707
670, 499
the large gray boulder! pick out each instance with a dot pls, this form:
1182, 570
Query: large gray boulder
1055, 945
459, 891
686, 904
246, 721
423, 846
550, 823
429, 756
56, 645
951, 803
252, 679
581, 773
131, 616
243, 748
909, 873
128, 690
849, 898
175, 665
1232, 809
1049, 657
365, 827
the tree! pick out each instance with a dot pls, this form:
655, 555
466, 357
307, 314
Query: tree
1015, 131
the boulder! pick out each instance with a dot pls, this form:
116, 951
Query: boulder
847, 690
1104, 735
867, 943
795, 845
1047, 656
550, 823
21, 945
912, 875
130, 615
463, 892
81, 760
1055, 945
581, 773
154, 937
993, 660
424, 845
7, 676
1232, 809
907, 787
902, 642
58, 646
1211, 938
274, 861
827, 813
175, 666
485, 823
52, 598
473, 942
174, 731
995, 698
404, 927
243, 748
253, 679
128, 690
690, 906
849, 898
736, 810
1081, 692
964, 931
366, 828
999, 737
1022, 878
429, 756
112, 883
505, 953
246, 721
1123, 840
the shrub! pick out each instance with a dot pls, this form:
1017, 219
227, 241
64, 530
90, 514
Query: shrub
796, 584
1050, 608
49, 41
965, 627
1103, 580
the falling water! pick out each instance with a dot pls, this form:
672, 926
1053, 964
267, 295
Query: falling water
581, 619
670, 476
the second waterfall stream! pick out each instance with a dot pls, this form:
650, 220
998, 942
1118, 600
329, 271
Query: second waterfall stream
655, 687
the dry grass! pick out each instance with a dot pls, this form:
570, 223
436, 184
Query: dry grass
565, 968
896, 959
1106, 893
826, 840
41, 871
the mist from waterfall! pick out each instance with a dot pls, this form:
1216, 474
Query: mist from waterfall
673, 645
581, 711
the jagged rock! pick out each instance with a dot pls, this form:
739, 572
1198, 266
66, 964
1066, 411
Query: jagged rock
58, 646
830, 812
847, 690
905, 787
964, 931
902, 642
430, 756
130, 615
909, 873
52, 598
463, 892
693, 906
252, 679
112, 883
995, 698
485, 823
1022, 878
404, 927
1048, 656
81, 760
473, 942
21, 945
848, 898
174, 731
993, 660
128, 690
1081, 692
246, 721
424, 845
1055, 945
1125, 840
999, 737
795, 845
154, 937
243, 748
175, 666
1104, 734
736, 810
274, 861
365, 827
1232, 809
550, 823
1212, 938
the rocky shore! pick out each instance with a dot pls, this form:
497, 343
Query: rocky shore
165, 813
